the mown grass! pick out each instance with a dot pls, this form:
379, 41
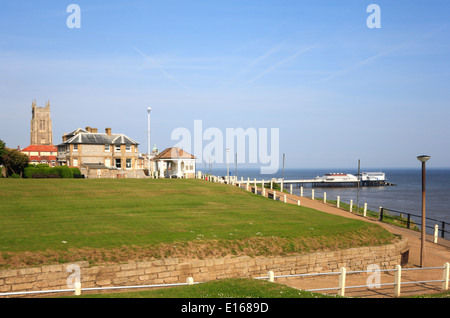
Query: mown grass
61, 220
225, 288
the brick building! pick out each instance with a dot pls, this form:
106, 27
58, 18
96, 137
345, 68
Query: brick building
101, 155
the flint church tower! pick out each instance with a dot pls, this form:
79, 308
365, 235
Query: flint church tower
41, 125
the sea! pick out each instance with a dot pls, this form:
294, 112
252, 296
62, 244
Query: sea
405, 196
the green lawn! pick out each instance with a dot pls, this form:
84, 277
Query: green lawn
61, 220
225, 288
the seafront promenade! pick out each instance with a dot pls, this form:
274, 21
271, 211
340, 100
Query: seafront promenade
436, 255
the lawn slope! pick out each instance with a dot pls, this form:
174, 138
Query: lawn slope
99, 220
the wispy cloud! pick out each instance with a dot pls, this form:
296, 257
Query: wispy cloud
159, 67
278, 64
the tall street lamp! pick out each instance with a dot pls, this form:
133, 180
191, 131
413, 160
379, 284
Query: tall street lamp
423, 159
149, 150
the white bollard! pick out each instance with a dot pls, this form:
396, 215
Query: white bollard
271, 276
436, 229
312, 194
338, 203
298, 202
446, 276
190, 281
290, 191
271, 185
365, 209
256, 189
351, 205
77, 286
285, 198
274, 195
281, 186
263, 192
301, 191
324, 197
342, 281
398, 280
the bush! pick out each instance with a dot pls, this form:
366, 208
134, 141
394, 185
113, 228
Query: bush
14, 176
50, 172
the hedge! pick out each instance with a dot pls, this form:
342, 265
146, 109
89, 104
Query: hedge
61, 171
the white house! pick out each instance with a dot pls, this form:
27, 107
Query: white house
175, 162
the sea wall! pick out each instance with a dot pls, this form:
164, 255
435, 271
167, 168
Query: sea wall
169, 271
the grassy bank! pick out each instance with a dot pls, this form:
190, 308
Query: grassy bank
63, 220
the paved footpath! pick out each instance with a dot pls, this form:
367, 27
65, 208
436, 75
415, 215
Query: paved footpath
436, 255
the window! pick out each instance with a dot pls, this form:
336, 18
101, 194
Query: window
118, 163
75, 147
107, 148
117, 147
128, 148
128, 164
75, 162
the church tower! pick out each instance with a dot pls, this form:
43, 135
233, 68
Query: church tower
41, 125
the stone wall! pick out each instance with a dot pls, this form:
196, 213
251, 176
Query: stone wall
169, 271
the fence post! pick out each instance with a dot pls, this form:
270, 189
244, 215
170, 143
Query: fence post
381, 214
446, 276
398, 279
301, 191
342, 281
436, 229
190, 281
312, 194
324, 197
285, 198
290, 191
263, 192
77, 286
298, 202
365, 209
271, 276
274, 195
351, 205
338, 204
256, 189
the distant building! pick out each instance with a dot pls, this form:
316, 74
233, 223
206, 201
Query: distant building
41, 154
175, 162
41, 149
101, 155
41, 125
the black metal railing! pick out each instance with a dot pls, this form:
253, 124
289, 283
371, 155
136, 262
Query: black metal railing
413, 221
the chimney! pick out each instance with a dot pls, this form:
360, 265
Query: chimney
94, 130
108, 131
88, 129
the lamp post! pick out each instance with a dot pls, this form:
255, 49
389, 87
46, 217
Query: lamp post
149, 150
228, 166
423, 159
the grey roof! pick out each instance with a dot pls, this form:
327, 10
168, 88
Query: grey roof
84, 137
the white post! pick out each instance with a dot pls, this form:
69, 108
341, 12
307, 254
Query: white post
446, 276
338, 204
256, 189
271, 185
351, 205
290, 191
282, 186
274, 195
247, 186
77, 286
263, 183
298, 202
263, 192
190, 281
285, 198
398, 280
324, 197
365, 209
436, 228
312, 194
342, 281
301, 191
255, 181
271, 276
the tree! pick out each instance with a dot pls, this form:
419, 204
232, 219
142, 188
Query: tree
13, 160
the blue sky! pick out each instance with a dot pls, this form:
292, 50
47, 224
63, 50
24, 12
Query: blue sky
337, 90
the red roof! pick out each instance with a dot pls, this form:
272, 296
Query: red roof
43, 148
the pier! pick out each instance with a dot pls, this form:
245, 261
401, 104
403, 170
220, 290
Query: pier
313, 183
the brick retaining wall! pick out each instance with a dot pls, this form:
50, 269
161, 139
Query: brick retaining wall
169, 271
